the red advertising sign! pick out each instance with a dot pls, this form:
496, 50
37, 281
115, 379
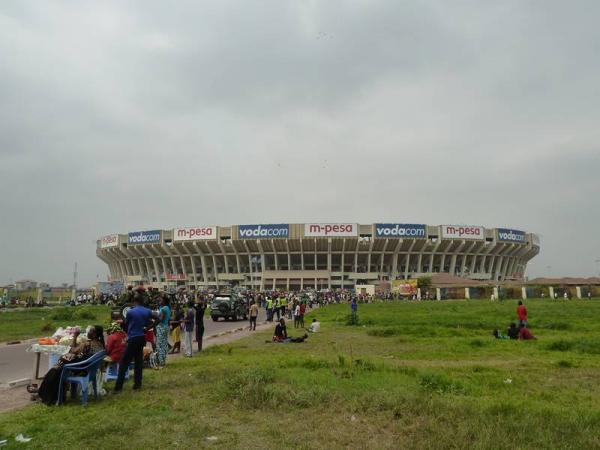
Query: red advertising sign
176, 277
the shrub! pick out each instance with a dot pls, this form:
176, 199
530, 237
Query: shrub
48, 326
352, 320
560, 346
563, 364
478, 343
383, 332
63, 314
440, 383
84, 314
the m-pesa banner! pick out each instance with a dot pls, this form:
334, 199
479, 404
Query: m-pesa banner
112, 240
463, 232
194, 233
330, 229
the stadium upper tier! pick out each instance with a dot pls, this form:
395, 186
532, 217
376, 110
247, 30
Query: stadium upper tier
314, 255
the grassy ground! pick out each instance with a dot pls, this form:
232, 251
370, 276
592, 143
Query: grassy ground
37, 322
411, 375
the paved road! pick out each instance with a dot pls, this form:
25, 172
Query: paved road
17, 364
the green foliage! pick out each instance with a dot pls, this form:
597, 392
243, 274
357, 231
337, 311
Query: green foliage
423, 282
423, 375
440, 384
352, 319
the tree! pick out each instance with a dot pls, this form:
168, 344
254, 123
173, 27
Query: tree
424, 282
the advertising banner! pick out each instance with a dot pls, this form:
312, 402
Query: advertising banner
330, 229
110, 287
176, 277
194, 233
144, 237
508, 235
463, 232
112, 240
400, 230
264, 231
404, 287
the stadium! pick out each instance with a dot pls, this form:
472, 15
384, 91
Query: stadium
314, 255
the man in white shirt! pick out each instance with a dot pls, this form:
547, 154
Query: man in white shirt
315, 326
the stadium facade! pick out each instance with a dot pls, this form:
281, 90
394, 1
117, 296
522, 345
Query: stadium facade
314, 255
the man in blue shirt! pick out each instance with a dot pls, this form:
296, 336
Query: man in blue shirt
136, 321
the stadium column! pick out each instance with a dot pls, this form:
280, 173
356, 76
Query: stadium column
250, 264
412, 245
301, 261
193, 263
452, 264
289, 258
385, 245
149, 254
275, 255
262, 265
463, 264
395, 259
328, 263
203, 263
433, 252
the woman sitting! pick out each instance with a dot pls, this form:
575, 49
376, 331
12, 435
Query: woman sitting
48, 391
115, 343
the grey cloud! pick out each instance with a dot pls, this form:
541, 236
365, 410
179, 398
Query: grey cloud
123, 116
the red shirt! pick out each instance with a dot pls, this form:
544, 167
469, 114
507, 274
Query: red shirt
522, 312
302, 309
525, 334
115, 345
149, 336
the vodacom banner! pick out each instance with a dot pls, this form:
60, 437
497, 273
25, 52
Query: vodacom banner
194, 233
462, 232
330, 229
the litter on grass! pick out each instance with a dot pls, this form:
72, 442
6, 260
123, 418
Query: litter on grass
21, 438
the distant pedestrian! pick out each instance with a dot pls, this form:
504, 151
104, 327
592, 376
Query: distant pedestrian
162, 331
253, 315
522, 314
188, 330
302, 313
200, 308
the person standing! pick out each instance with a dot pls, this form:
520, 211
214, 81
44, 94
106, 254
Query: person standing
302, 313
188, 330
269, 309
138, 318
162, 331
253, 315
297, 315
522, 314
200, 308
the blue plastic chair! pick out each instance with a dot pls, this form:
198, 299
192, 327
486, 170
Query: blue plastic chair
112, 372
91, 366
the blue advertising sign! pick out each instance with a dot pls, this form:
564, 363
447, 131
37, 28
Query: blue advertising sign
508, 235
144, 237
400, 230
281, 230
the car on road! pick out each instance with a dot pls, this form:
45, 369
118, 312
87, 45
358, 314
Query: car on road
229, 306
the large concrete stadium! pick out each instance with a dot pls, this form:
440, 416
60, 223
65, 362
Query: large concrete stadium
314, 255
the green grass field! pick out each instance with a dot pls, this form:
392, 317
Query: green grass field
411, 375
36, 322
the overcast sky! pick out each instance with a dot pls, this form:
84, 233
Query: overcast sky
124, 116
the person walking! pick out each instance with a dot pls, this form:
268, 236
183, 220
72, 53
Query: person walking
138, 318
162, 331
302, 313
200, 308
253, 315
188, 330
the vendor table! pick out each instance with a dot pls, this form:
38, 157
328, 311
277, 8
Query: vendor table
54, 352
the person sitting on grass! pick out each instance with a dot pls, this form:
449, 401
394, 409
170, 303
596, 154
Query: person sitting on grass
525, 334
315, 326
281, 335
513, 331
496, 333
